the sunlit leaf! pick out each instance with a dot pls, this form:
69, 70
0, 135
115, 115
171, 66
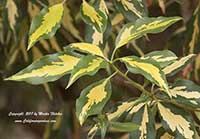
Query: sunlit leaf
186, 92
143, 26
92, 99
93, 35
127, 106
176, 121
88, 65
164, 58
178, 65
124, 33
45, 24
46, 69
88, 48
146, 122
94, 17
149, 68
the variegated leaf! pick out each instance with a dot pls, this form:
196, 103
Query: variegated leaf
93, 99
149, 68
88, 65
146, 122
177, 121
46, 69
45, 24
131, 107
186, 92
93, 35
145, 25
93, 17
164, 58
178, 65
132, 9
124, 33
88, 48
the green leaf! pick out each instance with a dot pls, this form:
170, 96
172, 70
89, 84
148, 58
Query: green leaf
93, 17
146, 122
88, 65
186, 92
178, 65
164, 58
46, 69
143, 26
132, 9
45, 24
88, 48
198, 115
127, 106
103, 125
176, 121
149, 68
123, 127
92, 99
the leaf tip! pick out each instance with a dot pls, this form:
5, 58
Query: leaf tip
8, 79
29, 47
67, 86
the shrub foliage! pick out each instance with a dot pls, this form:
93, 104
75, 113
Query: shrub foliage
164, 109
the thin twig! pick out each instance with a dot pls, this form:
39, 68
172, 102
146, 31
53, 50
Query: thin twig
41, 3
137, 48
133, 83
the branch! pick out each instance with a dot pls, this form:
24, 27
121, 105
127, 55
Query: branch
133, 83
